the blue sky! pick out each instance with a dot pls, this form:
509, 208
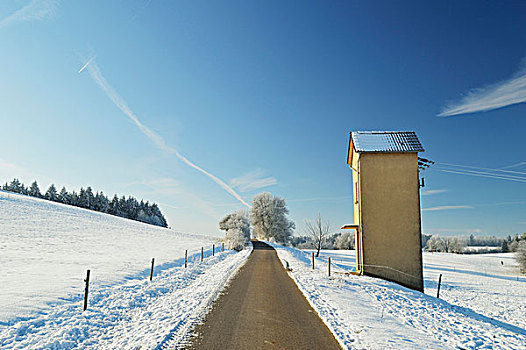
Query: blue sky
262, 96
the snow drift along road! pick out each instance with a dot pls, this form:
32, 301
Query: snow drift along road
45, 249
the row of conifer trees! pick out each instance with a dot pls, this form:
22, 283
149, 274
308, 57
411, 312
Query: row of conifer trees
124, 207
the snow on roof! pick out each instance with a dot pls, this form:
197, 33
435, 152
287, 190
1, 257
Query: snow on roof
386, 141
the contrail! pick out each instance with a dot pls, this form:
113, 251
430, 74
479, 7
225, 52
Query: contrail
84, 66
35, 10
157, 139
503, 94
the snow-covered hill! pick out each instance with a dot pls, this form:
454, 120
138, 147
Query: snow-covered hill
482, 302
45, 249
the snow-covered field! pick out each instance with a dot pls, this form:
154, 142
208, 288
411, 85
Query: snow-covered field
482, 302
45, 249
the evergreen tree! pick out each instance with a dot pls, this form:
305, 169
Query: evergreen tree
83, 200
505, 247
114, 206
63, 196
15, 186
123, 211
23, 189
74, 199
100, 203
34, 190
132, 208
51, 193
89, 198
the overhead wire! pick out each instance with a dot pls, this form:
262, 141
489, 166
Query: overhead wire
491, 173
481, 168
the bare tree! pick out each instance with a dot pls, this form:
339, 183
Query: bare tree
318, 231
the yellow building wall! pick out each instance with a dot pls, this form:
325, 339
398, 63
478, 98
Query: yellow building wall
388, 212
356, 209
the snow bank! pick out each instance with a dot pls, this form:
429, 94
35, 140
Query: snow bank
364, 312
45, 249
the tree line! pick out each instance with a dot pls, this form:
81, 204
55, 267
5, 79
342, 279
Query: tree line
128, 208
458, 244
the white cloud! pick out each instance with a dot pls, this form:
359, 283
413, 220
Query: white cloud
448, 207
96, 74
431, 192
164, 186
253, 180
34, 10
499, 95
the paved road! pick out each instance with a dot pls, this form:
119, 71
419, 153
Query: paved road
262, 308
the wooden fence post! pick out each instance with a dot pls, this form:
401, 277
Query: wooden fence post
151, 270
222, 247
213, 249
185, 258
329, 267
438, 289
313, 260
86, 291
201, 254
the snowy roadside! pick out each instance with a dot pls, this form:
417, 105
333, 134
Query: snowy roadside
46, 247
136, 314
364, 312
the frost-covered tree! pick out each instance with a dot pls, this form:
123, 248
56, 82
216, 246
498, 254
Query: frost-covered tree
269, 218
520, 255
318, 231
100, 202
435, 243
345, 241
63, 196
237, 227
454, 244
15, 186
51, 193
34, 190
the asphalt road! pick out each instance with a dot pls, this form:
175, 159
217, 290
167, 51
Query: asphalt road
262, 308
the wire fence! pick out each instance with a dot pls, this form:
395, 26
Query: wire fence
72, 294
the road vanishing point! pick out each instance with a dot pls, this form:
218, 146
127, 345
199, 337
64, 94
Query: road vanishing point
262, 308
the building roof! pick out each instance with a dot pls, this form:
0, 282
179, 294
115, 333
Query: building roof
385, 141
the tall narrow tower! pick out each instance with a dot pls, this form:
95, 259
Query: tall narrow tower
386, 193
